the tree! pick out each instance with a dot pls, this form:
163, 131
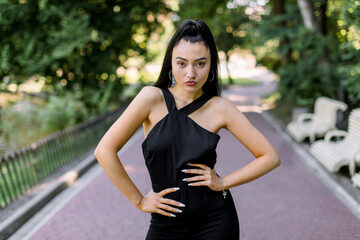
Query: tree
307, 13
226, 19
279, 10
74, 43
347, 14
308, 68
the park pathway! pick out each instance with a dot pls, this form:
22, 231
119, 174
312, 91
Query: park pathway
290, 203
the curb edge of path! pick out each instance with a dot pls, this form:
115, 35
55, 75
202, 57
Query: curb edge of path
313, 165
29, 209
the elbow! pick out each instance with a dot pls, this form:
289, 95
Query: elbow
273, 159
98, 153
276, 160
104, 152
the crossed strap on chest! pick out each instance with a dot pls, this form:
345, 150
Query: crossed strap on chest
188, 109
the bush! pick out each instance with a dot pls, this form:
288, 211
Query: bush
310, 74
62, 112
19, 123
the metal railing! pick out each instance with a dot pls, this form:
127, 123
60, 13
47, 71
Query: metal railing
26, 167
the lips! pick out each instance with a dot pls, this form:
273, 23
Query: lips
190, 83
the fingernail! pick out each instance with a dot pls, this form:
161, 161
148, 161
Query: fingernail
188, 163
176, 188
184, 170
172, 215
178, 210
190, 184
185, 179
181, 205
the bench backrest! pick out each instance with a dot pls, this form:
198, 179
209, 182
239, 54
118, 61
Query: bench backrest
326, 110
354, 127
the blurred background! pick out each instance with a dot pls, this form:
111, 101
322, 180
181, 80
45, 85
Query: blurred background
64, 62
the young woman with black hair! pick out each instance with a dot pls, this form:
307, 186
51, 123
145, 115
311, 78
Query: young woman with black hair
181, 116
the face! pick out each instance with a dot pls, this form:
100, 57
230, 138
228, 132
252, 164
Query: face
190, 65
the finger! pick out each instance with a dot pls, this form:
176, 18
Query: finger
197, 178
203, 166
171, 202
194, 171
169, 209
159, 211
201, 183
168, 190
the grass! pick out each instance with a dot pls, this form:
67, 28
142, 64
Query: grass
241, 81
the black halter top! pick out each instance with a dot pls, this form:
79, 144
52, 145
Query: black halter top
175, 141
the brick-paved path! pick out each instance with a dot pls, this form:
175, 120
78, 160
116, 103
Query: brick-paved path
289, 203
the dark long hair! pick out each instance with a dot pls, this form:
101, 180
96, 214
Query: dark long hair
193, 31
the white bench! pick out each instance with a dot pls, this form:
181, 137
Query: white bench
356, 180
317, 124
334, 155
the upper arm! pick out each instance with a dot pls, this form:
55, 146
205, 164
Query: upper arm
129, 121
237, 123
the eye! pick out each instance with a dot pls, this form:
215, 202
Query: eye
181, 64
200, 64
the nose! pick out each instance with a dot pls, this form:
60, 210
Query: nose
191, 73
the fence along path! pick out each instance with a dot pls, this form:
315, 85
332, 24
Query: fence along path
24, 168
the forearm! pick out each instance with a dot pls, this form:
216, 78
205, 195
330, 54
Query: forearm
255, 169
112, 166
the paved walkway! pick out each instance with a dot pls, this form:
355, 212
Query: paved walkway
288, 203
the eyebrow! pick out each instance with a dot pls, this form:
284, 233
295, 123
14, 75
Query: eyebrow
199, 59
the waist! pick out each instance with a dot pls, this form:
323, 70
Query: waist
198, 200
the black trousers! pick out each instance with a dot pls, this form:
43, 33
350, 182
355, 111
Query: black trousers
217, 221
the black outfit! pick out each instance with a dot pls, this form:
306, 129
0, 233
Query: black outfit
172, 143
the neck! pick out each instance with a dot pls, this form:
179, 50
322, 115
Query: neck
186, 96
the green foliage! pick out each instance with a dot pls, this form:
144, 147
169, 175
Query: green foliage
241, 81
349, 68
15, 122
62, 112
26, 122
75, 47
73, 43
273, 36
230, 26
303, 59
309, 75
98, 100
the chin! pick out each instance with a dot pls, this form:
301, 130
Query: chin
195, 87
192, 88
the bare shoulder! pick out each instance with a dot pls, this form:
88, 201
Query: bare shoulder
146, 99
222, 105
150, 93
227, 113
149, 96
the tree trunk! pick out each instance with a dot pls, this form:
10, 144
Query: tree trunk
307, 13
323, 26
278, 9
323, 17
231, 81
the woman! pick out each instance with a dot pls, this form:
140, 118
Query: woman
181, 116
